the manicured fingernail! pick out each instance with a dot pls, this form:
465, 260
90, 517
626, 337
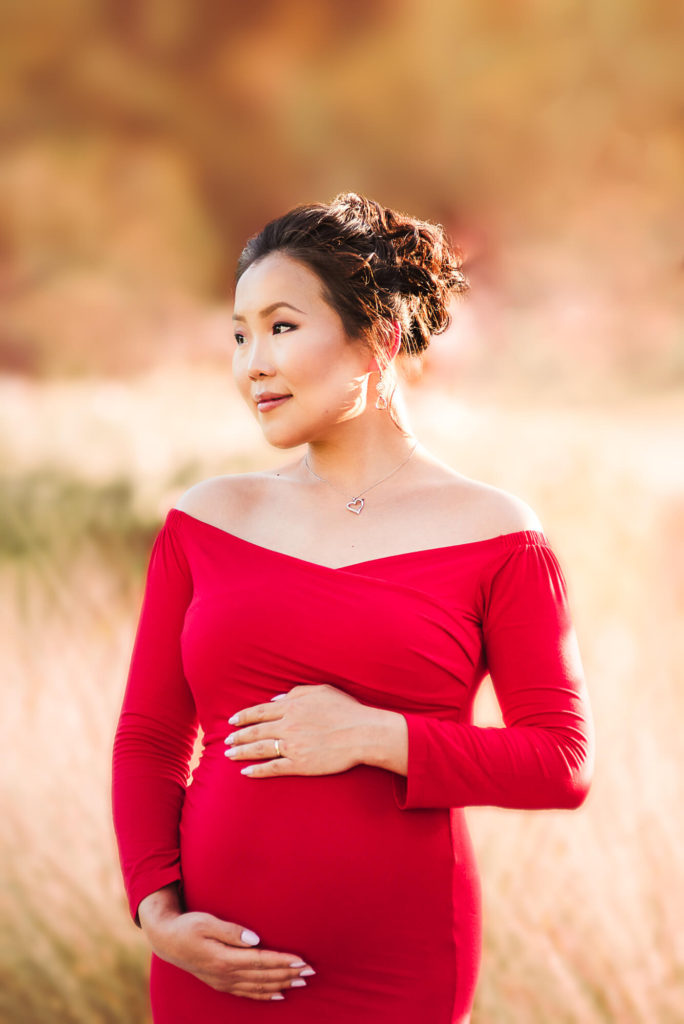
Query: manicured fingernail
250, 936
277, 996
248, 770
229, 739
234, 719
231, 752
297, 983
298, 963
307, 971
279, 696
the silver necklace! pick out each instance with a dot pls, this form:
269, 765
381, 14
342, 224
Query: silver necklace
356, 504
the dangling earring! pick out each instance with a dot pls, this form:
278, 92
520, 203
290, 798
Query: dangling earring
381, 401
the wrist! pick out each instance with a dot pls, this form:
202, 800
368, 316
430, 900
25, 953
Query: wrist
159, 908
383, 741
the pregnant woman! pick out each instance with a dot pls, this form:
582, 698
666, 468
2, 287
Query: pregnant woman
328, 624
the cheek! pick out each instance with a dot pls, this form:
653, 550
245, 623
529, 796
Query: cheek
329, 369
241, 377
239, 369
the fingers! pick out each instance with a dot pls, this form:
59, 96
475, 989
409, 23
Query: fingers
259, 744
267, 981
263, 751
245, 746
255, 739
270, 769
282, 972
265, 976
245, 962
270, 711
267, 990
258, 713
273, 979
265, 984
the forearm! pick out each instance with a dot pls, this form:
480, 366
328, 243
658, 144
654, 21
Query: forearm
455, 764
383, 741
159, 906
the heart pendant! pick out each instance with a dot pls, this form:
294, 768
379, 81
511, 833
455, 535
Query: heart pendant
356, 505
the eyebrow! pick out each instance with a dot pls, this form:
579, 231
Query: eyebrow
269, 309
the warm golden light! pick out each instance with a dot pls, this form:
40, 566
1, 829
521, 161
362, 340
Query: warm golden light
144, 143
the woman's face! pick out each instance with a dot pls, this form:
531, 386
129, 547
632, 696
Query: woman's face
289, 342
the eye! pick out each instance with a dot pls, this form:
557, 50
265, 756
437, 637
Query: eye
239, 338
283, 323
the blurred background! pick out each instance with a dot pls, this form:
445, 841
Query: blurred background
142, 143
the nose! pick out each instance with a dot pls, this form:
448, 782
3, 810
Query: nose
259, 363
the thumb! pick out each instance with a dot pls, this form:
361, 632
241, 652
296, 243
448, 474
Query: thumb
235, 934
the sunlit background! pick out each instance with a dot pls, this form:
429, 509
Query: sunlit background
142, 143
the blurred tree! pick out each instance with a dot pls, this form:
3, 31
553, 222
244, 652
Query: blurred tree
144, 142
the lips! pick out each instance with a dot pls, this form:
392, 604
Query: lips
267, 396
269, 400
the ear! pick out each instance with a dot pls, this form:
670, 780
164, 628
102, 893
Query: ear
394, 344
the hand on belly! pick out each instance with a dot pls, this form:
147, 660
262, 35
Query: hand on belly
214, 951
319, 730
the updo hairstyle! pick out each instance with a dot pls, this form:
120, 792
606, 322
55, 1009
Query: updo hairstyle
375, 266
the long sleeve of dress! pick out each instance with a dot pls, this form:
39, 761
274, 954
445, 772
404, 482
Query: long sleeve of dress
543, 756
156, 731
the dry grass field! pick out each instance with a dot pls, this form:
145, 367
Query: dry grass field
583, 909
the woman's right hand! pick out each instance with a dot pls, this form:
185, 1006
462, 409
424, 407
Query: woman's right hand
215, 952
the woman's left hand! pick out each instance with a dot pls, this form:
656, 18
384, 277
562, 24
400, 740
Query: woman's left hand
319, 729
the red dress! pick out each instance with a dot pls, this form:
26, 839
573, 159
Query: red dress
366, 874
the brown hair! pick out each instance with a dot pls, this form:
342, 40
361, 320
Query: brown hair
375, 266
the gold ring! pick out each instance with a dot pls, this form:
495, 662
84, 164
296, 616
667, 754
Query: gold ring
277, 746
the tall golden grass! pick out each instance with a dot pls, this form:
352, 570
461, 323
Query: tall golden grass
583, 910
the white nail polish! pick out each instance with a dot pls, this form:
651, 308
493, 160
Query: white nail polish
307, 972
298, 963
297, 983
248, 770
279, 696
277, 996
234, 719
249, 936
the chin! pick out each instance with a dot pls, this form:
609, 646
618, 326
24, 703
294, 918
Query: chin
283, 439
293, 435
284, 444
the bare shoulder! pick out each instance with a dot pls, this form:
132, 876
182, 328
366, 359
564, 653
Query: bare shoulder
480, 509
461, 509
473, 509
219, 499
498, 511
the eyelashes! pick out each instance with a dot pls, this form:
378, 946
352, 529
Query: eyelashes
240, 338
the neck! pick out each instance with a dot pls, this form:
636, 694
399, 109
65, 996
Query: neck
362, 449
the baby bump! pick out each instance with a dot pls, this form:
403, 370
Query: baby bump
327, 864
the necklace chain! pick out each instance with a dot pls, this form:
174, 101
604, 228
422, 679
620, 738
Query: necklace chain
357, 502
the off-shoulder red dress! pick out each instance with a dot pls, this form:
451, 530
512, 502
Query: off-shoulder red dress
367, 874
